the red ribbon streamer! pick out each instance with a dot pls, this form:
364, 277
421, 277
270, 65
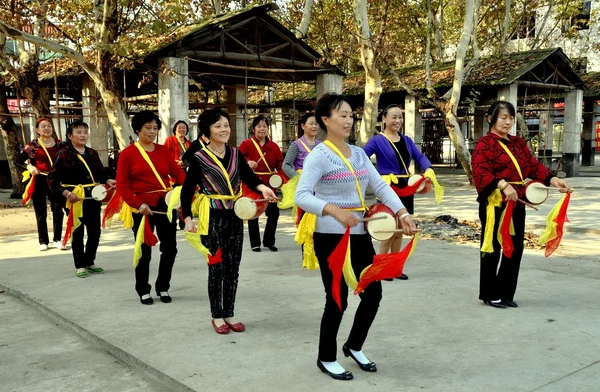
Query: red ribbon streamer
217, 258
149, 237
336, 262
29, 189
68, 229
385, 266
507, 243
299, 217
113, 206
408, 190
560, 220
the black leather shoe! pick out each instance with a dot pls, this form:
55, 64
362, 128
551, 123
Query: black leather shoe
343, 376
389, 279
510, 303
369, 367
256, 249
272, 248
499, 305
146, 301
403, 277
166, 298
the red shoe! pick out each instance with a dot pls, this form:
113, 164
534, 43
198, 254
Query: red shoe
237, 327
222, 330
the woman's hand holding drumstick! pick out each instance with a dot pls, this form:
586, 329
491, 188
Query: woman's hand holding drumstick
190, 227
560, 184
346, 218
406, 221
267, 193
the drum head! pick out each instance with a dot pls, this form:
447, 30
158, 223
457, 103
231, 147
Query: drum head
536, 193
374, 227
99, 192
168, 198
245, 208
276, 181
414, 179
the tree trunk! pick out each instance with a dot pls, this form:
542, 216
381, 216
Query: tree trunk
505, 26
11, 143
217, 6
29, 86
305, 23
372, 75
452, 125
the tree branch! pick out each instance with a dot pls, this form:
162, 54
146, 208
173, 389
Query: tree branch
305, 23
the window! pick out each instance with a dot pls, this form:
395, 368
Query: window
527, 26
581, 21
580, 65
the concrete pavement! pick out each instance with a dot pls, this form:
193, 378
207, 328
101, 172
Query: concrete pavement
431, 333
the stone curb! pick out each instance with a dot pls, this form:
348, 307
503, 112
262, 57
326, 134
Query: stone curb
152, 373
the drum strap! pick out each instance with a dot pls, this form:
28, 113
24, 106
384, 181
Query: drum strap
149, 162
86, 166
181, 146
398, 152
262, 156
46, 151
514, 160
304, 145
349, 166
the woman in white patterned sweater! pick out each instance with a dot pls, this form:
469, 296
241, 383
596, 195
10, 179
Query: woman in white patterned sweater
328, 189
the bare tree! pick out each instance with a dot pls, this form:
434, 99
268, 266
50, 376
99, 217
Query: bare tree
217, 6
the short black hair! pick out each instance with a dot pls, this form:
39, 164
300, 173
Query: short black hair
257, 121
144, 117
76, 124
187, 127
208, 118
302, 120
497, 107
326, 104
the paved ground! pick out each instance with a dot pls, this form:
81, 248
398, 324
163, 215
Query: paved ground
431, 333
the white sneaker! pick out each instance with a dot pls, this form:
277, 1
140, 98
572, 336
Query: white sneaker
59, 245
43, 247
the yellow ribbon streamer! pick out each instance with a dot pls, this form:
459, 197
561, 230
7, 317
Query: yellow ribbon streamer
77, 207
437, 188
550, 232
288, 191
194, 240
304, 236
175, 197
348, 271
139, 241
494, 200
126, 215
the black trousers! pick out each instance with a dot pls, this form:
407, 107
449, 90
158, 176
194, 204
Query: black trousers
57, 203
85, 256
166, 233
226, 232
272, 214
500, 282
362, 254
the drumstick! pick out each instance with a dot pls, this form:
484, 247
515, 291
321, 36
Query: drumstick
372, 219
259, 200
551, 188
394, 231
527, 204
159, 212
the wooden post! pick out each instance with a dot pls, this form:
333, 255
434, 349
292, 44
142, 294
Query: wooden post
56, 99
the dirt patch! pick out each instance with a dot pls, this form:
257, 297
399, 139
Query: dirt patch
15, 219
448, 228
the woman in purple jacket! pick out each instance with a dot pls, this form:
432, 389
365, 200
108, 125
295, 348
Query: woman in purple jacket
394, 153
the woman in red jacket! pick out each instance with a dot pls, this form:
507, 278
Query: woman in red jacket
143, 181
178, 143
501, 162
39, 157
265, 158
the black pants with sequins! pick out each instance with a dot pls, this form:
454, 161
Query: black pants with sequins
225, 232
